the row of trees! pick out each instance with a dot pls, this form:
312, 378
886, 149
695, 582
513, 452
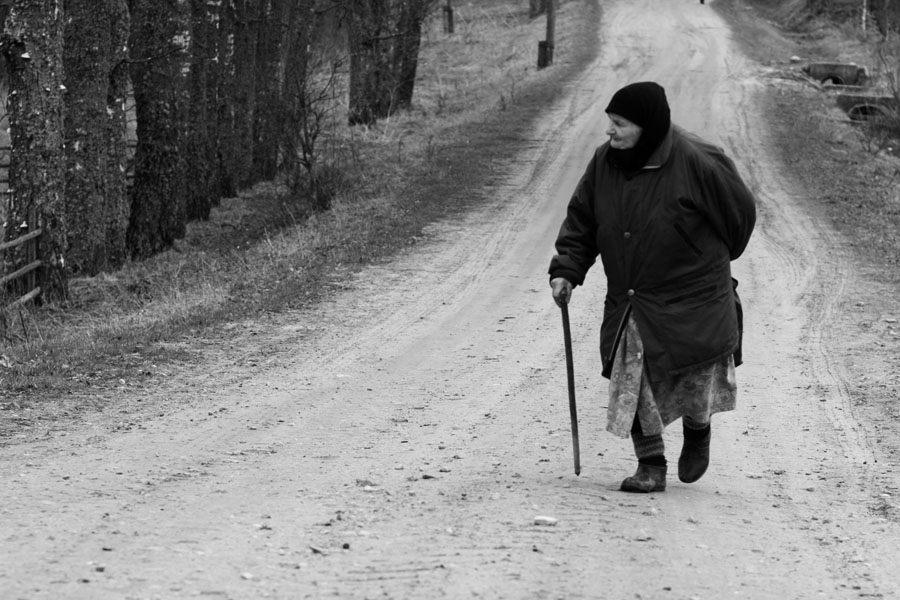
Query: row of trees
225, 93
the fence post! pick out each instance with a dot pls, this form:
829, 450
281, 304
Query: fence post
545, 48
448, 17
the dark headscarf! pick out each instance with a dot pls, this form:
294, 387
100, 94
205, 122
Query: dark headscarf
643, 104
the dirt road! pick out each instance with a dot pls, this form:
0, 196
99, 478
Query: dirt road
399, 439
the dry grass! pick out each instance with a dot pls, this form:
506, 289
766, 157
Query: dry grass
848, 178
266, 251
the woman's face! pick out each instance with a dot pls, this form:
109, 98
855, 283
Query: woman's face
623, 134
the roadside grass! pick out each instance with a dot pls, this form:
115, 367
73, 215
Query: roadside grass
849, 166
266, 251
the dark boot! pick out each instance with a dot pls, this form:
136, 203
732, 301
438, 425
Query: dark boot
647, 478
694, 457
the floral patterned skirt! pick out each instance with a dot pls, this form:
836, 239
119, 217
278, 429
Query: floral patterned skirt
696, 394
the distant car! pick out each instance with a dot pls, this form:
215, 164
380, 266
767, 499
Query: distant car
837, 73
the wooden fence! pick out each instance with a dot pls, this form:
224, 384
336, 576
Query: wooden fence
29, 240
29, 270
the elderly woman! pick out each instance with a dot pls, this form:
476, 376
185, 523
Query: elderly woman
666, 212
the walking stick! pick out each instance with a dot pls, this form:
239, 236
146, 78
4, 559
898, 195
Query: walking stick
570, 372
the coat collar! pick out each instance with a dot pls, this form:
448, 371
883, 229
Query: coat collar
662, 152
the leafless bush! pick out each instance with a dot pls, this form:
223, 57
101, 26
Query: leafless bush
313, 73
308, 107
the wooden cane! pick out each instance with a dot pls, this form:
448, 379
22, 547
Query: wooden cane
570, 372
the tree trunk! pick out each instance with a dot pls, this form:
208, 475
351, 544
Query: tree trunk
412, 13
371, 88
157, 64
118, 205
93, 131
240, 107
223, 94
200, 142
273, 31
32, 42
384, 51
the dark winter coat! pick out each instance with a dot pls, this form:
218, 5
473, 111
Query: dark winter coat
666, 236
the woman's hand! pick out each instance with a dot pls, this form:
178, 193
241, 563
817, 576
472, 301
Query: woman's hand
562, 290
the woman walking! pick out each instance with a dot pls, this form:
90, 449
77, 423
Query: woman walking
666, 212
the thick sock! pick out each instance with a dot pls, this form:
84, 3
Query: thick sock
694, 430
649, 449
656, 461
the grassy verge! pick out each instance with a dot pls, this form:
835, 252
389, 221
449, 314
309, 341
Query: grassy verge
851, 180
264, 252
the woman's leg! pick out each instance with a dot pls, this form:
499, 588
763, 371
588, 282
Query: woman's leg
694, 459
649, 449
651, 454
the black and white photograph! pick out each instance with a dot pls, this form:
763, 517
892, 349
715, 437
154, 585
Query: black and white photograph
450, 299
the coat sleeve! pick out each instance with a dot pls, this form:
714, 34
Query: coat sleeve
576, 244
729, 204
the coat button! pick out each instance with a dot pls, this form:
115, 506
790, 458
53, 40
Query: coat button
627, 235
631, 292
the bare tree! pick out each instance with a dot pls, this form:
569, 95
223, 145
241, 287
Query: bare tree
384, 37
309, 82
